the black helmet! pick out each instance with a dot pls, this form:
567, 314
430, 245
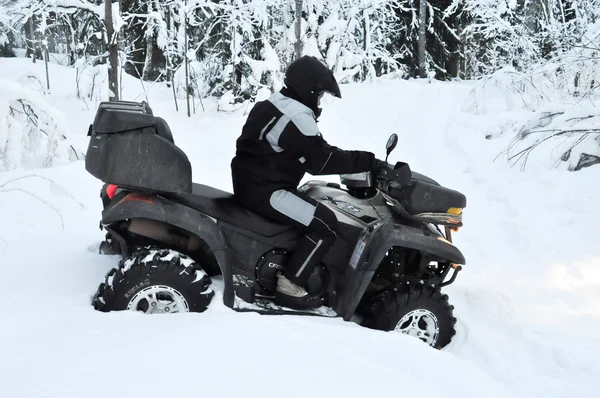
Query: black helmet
309, 77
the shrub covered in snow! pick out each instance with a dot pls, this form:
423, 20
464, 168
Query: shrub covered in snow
33, 134
562, 138
563, 94
91, 81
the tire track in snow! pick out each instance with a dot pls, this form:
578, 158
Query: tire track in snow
508, 275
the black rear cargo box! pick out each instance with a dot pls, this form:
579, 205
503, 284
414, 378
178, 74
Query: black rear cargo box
130, 147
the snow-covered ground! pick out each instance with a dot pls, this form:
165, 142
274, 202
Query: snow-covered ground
527, 302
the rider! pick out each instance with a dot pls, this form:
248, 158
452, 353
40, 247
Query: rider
280, 141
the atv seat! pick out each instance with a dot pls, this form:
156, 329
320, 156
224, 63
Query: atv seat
224, 207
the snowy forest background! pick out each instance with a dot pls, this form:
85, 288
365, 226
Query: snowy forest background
544, 51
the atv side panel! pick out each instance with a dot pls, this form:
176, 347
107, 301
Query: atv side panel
373, 246
247, 249
245, 252
285, 240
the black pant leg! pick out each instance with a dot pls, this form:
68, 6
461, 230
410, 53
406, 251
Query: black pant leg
318, 222
319, 236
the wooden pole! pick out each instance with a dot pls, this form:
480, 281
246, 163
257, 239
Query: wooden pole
185, 60
113, 55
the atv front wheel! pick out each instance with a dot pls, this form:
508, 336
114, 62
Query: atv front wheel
416, 310
155, 281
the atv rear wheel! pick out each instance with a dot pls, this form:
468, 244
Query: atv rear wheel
414, 309
155, 281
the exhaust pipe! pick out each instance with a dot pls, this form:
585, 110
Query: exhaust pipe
162, 232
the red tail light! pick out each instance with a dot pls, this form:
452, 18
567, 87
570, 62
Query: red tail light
110, 190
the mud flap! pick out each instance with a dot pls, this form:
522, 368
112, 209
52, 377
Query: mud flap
359, 272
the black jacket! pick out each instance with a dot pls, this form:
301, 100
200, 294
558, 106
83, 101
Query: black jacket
280, 142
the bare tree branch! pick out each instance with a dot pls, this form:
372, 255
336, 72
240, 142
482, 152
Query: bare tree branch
62, 223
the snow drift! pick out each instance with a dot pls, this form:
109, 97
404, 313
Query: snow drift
527, 300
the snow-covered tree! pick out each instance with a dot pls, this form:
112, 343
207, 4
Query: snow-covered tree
557, 79
520, 34
442, 44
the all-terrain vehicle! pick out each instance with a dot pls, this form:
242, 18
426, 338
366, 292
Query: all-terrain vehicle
385, 271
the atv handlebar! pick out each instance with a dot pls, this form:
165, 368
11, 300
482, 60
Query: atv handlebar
393, 176
387, 177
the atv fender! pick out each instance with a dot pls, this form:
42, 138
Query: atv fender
140, 206
372, 247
